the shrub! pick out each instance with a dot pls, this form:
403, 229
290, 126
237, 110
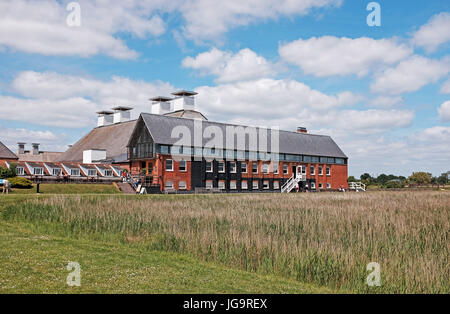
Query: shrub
6, 173
20, 183
394, 185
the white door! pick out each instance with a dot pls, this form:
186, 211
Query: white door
299, 171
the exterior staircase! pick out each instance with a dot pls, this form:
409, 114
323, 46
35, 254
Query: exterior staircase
126, 188
357, 186
292, 183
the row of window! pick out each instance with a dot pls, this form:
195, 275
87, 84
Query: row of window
233, 154
38, 171
233, 185
182, 166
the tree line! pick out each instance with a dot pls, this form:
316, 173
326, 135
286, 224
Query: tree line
393, 181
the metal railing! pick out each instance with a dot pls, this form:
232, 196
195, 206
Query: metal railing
357, 186
291, 183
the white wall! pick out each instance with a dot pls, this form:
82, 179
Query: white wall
92, 155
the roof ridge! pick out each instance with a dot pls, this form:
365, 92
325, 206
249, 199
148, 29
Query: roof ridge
233, 124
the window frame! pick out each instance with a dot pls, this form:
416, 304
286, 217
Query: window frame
320, 170
108, 173
219, 164
185, 166
41, 172
276, 185
246, 185
166, 185
276, 168
312, 170
244, 164
221, 182
233, 167
76, 171
233, 185
328, 185
265, 168
58, 170
180, 187
328, 171
255, 182
212, 166
253, 168
20, 171
266, 185
89, 172
206, 184
285, 169
171, 169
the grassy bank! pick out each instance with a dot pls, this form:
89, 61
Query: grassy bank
323, 239
70, 189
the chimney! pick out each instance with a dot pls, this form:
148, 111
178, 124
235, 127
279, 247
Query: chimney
35, 148
121, 114
105, 118
21, 149
302, 130
184, 100
160, 105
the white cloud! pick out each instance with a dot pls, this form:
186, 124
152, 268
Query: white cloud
206, 19
54, 99
435, 134
434, 33
229, 67
444, 111
410, 75
40, 27
328, 55
446, 87
288, 104
386, 101
48, 139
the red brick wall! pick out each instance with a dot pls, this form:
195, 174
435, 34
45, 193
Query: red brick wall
176, 175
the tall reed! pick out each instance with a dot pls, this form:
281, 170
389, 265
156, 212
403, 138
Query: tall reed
325, 239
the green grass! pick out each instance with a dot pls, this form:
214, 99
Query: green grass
34, 262
322, 239
70, 189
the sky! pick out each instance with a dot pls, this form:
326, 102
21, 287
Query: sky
381, 91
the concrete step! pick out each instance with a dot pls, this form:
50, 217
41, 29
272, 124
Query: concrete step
126, 188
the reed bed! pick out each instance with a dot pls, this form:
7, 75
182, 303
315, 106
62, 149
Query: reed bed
325, 238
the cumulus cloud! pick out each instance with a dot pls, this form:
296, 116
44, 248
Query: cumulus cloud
386, 101
444, 111
40, 27
410, 75
328, 55
288, 104
229, 67
53, 99
434, 33
446, 87
206, 19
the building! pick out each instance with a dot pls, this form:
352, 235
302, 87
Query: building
178, 149
35, 154
6, 154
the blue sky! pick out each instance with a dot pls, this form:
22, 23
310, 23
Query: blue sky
381, 92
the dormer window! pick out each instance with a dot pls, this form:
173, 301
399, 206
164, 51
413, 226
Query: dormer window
75, 172
20, 171
56, 172
92, 173
108, 173
38, 171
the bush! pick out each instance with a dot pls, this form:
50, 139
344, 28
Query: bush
6, 173
20, 183
394, 185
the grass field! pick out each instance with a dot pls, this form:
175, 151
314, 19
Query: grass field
229, 243
70, 189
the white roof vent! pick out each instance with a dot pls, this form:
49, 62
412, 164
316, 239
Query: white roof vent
184, 100
93, 155
161, 105
105, 118
121, 114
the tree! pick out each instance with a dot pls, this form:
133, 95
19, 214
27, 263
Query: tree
6, 173
382, 179
351, 179
420, 178
442, 180
366, 176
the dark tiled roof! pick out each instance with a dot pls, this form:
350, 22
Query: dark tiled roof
160, 128
6, 153
113, 138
